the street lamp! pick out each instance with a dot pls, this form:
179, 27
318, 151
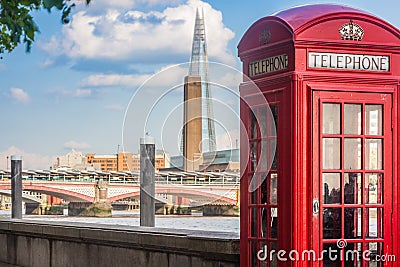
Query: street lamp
7, 163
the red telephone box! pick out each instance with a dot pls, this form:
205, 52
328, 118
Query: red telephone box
329, 77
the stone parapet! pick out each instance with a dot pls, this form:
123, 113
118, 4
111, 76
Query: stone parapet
26, 243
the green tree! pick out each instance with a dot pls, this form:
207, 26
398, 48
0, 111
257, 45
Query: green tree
17, 24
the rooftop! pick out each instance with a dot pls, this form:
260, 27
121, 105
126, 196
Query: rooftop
298, 16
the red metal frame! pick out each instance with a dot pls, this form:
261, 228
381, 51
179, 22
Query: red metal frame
362, 99
296, 89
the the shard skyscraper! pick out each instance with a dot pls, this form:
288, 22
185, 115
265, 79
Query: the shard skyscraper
198, 130
199, 67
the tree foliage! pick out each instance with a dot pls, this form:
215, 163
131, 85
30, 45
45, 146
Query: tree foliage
17, 24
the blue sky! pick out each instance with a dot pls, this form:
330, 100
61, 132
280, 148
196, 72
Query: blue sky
74, 87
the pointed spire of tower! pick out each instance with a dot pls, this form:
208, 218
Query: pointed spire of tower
199, 46
199, 67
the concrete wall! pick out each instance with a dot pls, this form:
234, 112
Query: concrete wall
24, 243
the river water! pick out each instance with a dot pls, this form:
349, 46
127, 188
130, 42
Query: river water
220, 224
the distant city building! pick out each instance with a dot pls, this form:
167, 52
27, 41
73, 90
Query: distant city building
217, 161
221, 156
222, 160
70, 160
162, 160
125, 161
176, 162
106, 162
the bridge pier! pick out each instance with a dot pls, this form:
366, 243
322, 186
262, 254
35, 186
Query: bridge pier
2, 203
51, 210
220, 210
100, 208
160, 208
51, 205
169, 210
165, 209
133, 205
120, 206
43, 205
32, 209
41, 209
128, 205
87, 209
46, 207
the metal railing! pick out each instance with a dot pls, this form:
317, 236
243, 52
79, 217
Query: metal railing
133, 178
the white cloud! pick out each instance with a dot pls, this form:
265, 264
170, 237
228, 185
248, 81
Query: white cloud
160, 2
230, 79
82, 92
125, 4
166, 77
20, 95
76, 145
105, 80
116, 107
47, 63
29, 160
147, 36
112, 3
77, 93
